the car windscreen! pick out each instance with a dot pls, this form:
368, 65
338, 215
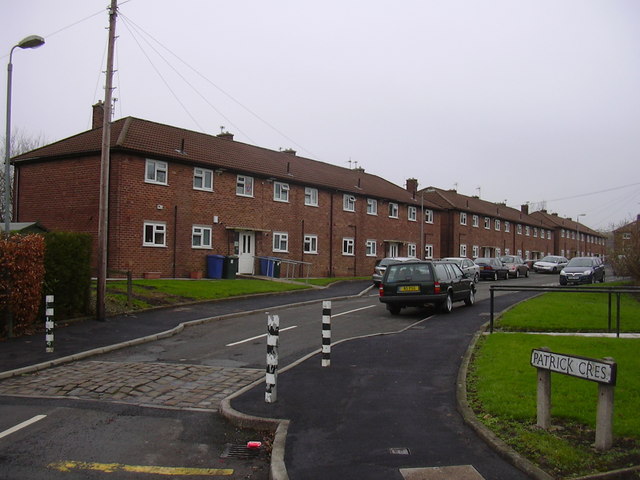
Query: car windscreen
550, 259
409, 273
580, 262
508, 259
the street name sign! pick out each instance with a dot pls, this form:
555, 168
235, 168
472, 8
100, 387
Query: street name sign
599, 371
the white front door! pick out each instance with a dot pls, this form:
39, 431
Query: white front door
246, 249
393, 249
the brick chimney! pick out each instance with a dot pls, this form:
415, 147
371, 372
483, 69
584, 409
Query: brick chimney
225, 136
289, 151
98, 115
412, 185
524, 209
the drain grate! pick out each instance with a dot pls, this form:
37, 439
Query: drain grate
240, 451
399, 451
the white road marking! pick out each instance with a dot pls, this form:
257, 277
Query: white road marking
351, 311
22, 425
257, 336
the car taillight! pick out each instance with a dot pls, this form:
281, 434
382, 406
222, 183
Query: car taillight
436, 287
381, 290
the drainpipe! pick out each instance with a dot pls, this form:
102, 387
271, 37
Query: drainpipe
331, 236
175, 238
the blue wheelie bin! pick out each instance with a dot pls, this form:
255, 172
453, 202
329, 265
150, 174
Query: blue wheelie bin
214, 266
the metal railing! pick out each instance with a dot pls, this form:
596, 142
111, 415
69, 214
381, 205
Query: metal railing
608, 290
291, 266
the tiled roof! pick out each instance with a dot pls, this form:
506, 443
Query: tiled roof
157, 140
452, 200
556, 221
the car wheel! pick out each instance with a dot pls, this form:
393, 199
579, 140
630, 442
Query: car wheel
447, 305
517, 273
563, 282
602, 279
555, 270
506, 275
495, 276
526, 274
394, 309
471, 299
476, 278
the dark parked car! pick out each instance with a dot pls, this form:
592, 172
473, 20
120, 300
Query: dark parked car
515, 264
492, 268
418, 283
381, 266
467, 266
582, 270
550, 264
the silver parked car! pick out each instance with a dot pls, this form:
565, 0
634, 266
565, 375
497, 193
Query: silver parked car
517, 267
381, 267
467, 266
550, 264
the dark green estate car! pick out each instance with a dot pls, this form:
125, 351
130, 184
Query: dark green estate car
419, 283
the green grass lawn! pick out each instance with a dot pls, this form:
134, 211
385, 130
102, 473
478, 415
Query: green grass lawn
579, 312
502, 384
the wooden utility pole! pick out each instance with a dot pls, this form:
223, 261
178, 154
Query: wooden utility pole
103, 217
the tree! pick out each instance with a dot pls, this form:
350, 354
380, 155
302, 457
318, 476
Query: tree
20, 143
625, 254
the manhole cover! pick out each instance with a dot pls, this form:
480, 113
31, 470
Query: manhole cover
240, 451
399, 451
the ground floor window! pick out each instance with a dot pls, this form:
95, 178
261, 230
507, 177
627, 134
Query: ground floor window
428, 251
155, 234
310, 244
200, 237
371, 248
280, 242
347, 246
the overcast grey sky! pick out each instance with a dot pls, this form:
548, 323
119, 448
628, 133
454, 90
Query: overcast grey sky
524, 101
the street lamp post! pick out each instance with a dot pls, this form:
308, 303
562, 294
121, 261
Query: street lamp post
32, 41
578, 233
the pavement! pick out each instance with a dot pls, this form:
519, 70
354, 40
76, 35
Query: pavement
388, 407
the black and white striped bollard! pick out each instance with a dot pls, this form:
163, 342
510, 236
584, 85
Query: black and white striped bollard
273, 332
326, 333
48, 323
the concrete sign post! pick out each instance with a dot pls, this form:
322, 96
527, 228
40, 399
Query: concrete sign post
601, 371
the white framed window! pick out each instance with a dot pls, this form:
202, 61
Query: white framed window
347, 246
519, 229
411, 250
562, 252
348, 203
475, 251
519, 252
496, 225
202, 179
393, 210
372, 206
412, 214
463, 250
475, 221
244, 186
463, 218
573, 235
310, 244
507, 226
200, 236
487, 223
527, 254
626, 236
498, 252
535, 232
280, 192
562, 233
507, 251
280, 242
311, 196
428, 251
527, 230
154, 234
428, 216
156, 172
371, 248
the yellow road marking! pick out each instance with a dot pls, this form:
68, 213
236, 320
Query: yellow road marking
68, 466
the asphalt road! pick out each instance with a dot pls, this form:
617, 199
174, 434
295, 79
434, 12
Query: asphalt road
107, 437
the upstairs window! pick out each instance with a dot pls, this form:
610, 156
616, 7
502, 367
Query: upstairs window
476, 221
244, 186
156, 172
372, 206
393, 210
507, 227
202, 179
311, 196
412, 214
428, 216
463, 218
280, 192
348, 203
487, 223
496, 225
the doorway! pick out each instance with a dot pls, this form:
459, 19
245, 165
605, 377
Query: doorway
246, 249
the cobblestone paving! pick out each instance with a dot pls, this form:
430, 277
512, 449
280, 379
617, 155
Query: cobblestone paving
158, 384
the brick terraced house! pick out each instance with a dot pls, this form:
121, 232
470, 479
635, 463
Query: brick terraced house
472, 227
177, 196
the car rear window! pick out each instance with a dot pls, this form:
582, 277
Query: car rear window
409, 273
